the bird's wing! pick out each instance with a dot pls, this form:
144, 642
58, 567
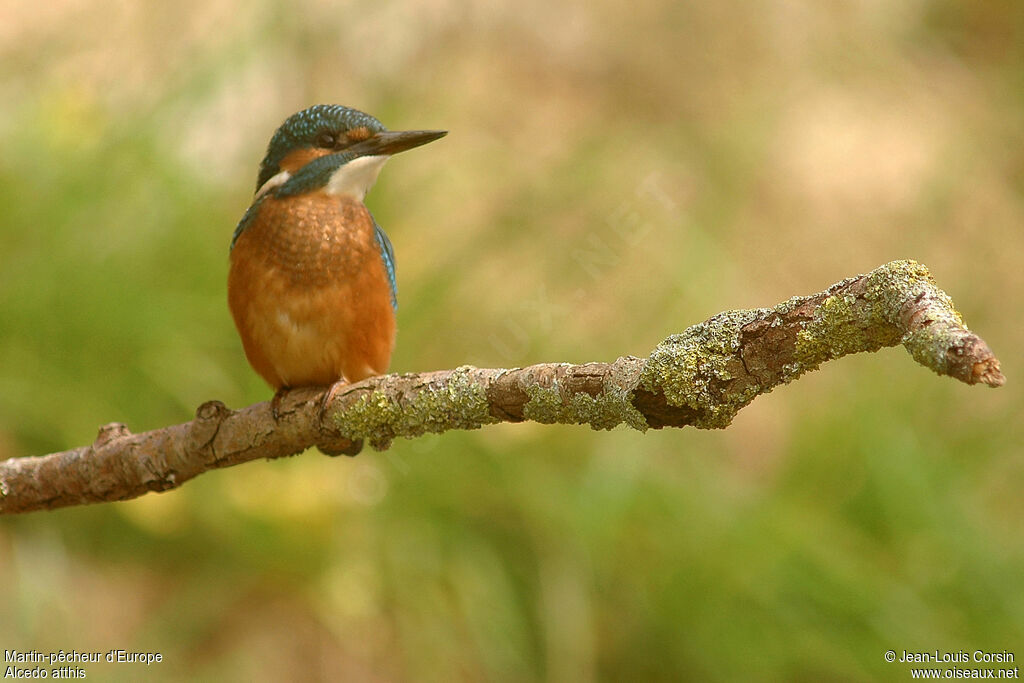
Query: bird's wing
250, 214
387, 253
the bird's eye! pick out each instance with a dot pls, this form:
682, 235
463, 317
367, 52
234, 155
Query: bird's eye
325, 140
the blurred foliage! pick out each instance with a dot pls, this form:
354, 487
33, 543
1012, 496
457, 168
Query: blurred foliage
614, 173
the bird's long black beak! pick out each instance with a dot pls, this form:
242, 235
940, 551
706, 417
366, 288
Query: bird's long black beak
394, 141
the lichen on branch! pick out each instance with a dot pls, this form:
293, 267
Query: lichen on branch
700, 377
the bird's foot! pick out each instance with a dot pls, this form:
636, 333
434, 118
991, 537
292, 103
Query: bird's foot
275, 403
328, 396
344, 447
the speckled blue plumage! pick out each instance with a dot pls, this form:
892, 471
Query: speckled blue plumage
301, 130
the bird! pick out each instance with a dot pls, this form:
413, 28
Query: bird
311, 282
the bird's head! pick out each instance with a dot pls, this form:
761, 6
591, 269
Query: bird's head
334, 147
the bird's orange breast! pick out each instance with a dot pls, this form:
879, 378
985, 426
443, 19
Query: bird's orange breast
309, 292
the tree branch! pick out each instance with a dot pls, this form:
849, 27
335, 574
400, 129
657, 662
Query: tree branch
701, 377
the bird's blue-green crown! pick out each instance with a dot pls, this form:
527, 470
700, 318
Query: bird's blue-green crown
322, 125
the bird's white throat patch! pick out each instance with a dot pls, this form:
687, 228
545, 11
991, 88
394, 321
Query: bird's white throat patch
356, 177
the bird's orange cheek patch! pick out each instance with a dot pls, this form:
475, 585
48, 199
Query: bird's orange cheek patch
300, 157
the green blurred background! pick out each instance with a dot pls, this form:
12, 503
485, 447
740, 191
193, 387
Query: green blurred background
614, 173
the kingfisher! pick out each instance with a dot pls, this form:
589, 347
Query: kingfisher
311, 285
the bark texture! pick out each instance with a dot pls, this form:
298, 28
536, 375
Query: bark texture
701, 377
